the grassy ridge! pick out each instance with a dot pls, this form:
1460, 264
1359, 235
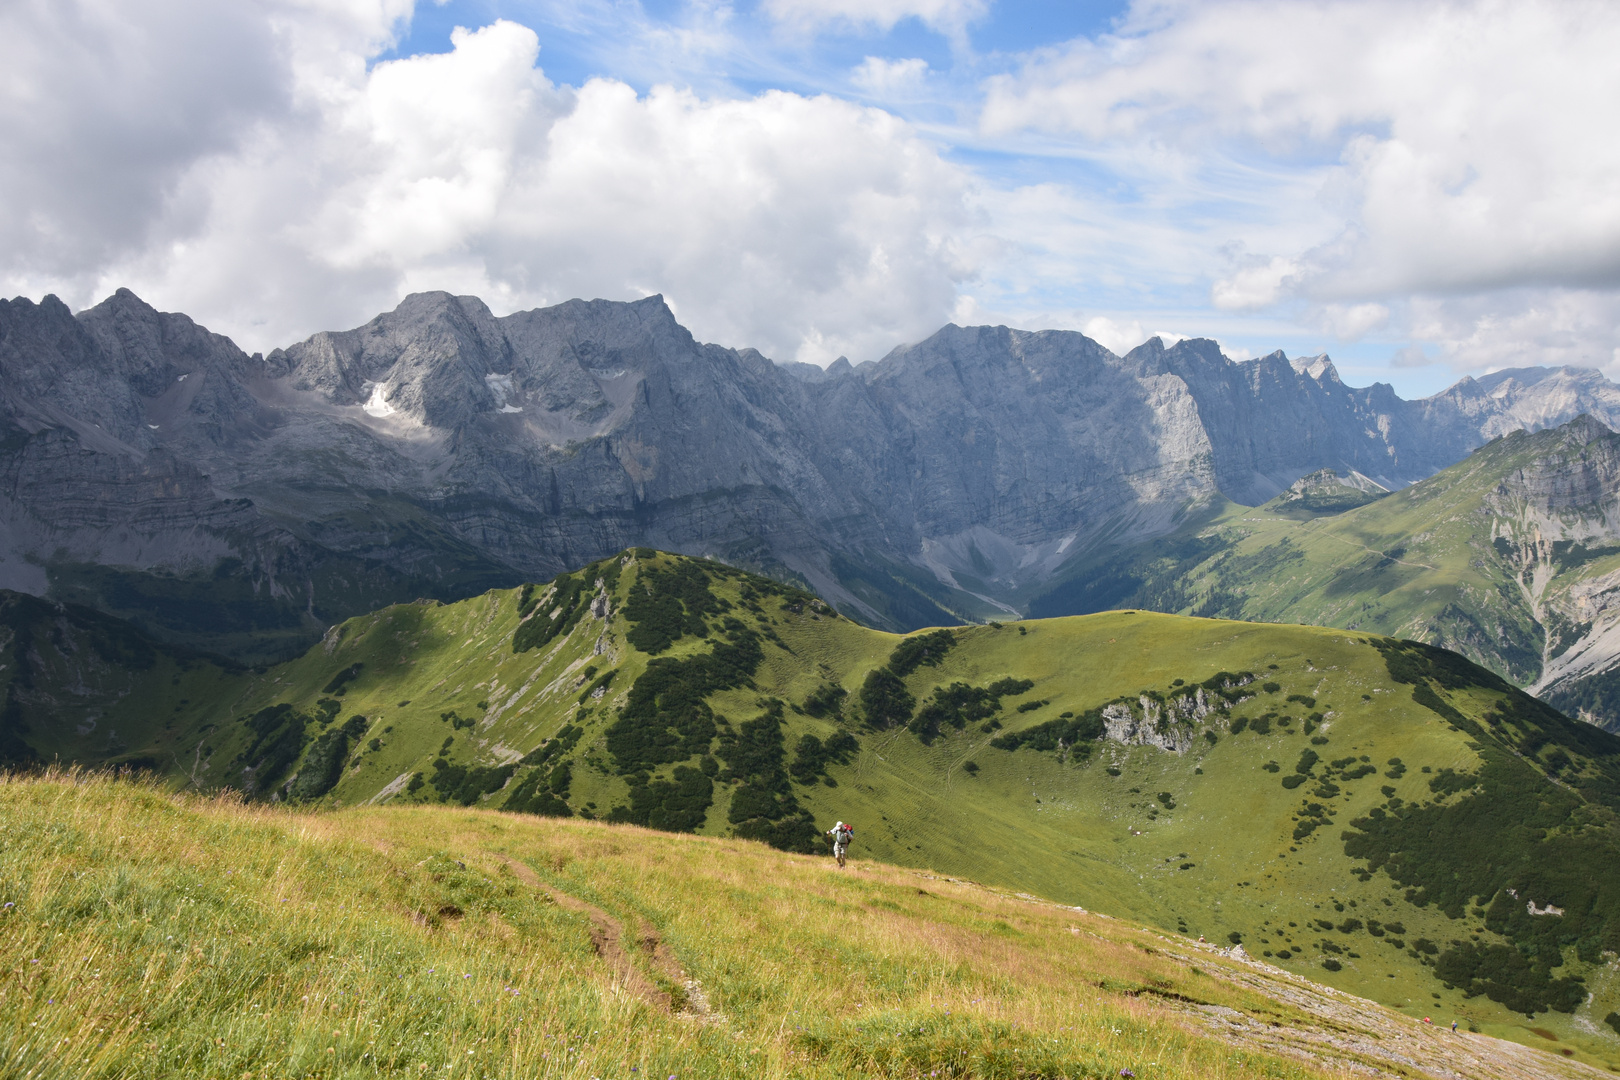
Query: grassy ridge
1253, 782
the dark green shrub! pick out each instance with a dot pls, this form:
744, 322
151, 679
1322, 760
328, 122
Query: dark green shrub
667, 604
812, 756
340, 682
677, 805
826, 700
885, 700
666, 718
915, 652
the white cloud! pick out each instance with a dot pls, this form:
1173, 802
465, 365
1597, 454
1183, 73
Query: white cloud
1466, 148
1254, 286
1118, 338
886, 78
1352, 322
806, 226
1521, 328
945, 16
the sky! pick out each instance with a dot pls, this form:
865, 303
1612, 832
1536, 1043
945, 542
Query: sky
1422, 190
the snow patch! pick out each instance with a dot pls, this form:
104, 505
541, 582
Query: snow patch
378, 405
501, 387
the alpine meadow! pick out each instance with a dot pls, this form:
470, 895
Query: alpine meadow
553, 789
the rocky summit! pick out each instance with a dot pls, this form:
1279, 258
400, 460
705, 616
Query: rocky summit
244, 503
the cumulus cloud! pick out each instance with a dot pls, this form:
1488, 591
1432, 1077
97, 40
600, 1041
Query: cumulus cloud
1466, 148
806, 226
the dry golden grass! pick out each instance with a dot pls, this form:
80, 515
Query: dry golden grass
149, 935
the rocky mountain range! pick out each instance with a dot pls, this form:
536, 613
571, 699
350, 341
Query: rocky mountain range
243, 503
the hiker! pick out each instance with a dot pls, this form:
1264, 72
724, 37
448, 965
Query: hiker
841, 835
1454, 1026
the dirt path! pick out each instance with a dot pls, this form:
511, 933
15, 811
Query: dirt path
1361, 1036
607, 938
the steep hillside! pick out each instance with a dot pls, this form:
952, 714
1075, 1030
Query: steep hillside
1381, 816
149, 935
1511, 557
244, 503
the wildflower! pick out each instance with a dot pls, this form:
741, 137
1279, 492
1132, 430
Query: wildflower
1126, 1073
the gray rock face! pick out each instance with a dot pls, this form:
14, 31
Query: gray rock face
439, 450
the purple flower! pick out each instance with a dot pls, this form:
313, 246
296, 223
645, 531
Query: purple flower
1126, 1073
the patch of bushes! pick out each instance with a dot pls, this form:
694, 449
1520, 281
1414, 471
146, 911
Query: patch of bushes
826, 701
340, 682
812, 756
543, 792
960, 704
1067, 732
924, 649
601, 682
885, 701
323, 766
666, 718
677, 805
763, 807
1517, 831
556, 746
570, 598
466, 784
278, 739
666, 604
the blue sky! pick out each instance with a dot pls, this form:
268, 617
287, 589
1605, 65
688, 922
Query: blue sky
1421, 189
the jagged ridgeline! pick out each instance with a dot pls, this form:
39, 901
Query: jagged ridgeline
1376, 813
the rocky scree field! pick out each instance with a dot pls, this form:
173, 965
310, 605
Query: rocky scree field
1378, 815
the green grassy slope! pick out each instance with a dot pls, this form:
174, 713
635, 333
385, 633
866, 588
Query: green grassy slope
151, 935
1496, 557
1370, 814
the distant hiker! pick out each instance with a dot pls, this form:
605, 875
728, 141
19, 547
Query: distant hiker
841, 835
1454, 1025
